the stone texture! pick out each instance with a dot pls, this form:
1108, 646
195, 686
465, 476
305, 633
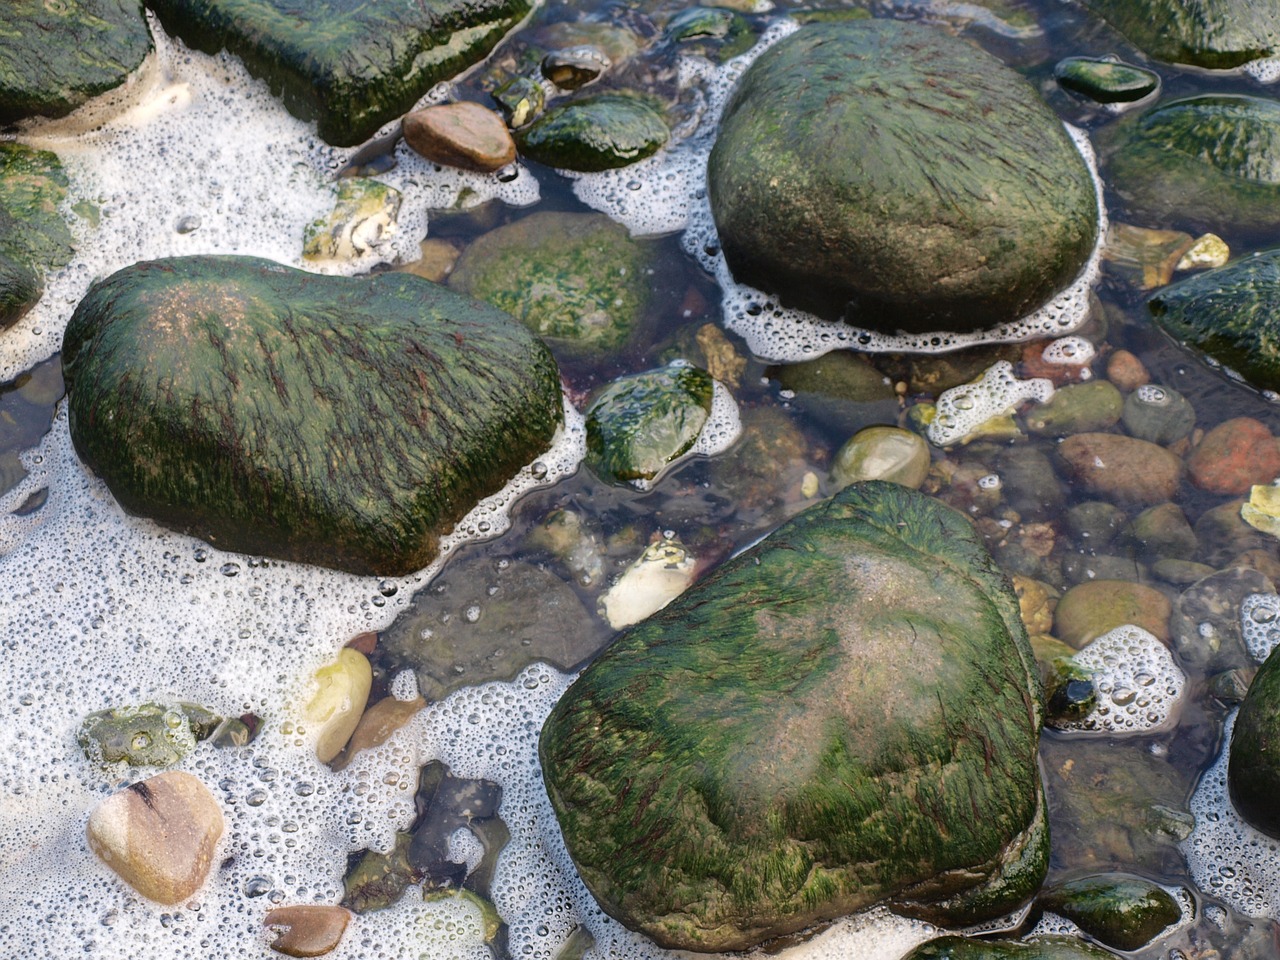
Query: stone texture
1253, 769
1041, 948
1120, 911
1233, 456
1125, 470
307, 930
463, 135
1105, 81
590, 134
33, 236
1090, 609
1219, 34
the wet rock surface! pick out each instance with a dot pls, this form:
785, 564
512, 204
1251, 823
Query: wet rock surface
463, 135
1253, 774
603, 132
1218, 34
1122, 912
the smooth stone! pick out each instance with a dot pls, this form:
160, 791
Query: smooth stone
1029, 483
1069, 692
658, 576
1253, 767
1229, 315
719, 773
349, 65
33, 236
159, 835
1087, 567
307, 930
437, 261
882, 453
1205, 622
1223, 535
1105, 81
577, 280
574, 67
1218, 34
1126, 371
639, 424
840, 375
520, 99
1120, 911
376, 726
1076, 408
1202, 163
1160, 531
1180, 572
1041, 948
333, 712
1094, 523
590, 134
1088, 610
1234, 456
347, 422
463, 135
363, 215
1208, 251
150, 734
56, 56
891, 173
1158, 414
1262, 510
1124, 470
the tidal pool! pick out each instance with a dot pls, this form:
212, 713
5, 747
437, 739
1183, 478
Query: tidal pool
100, 609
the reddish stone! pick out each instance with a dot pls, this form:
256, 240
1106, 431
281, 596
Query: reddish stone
364, 643
1124, 470
1126, 371
1234, 456
463, 135
1033, 364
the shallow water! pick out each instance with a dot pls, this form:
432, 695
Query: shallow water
99, 608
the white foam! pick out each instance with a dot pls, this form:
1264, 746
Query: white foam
1260, 624
1069, 351
1265, 70
1137, 682
964, 408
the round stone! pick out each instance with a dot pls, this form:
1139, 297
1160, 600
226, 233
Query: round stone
882, 453
463, 135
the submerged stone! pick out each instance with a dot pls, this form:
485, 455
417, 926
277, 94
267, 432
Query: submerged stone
1218, 34
33, 236
1253, 770
348, 422
349, 65
56, 56
1039, 948
882, 453
901, 177
845, 714
603, 132
1120, 911
575, 279
1105, 81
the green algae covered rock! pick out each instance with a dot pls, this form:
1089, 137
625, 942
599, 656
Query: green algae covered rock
1120, 911
639, 424
1041, 948
575, 279
350, 65
151, 734
33, 236
1253, 770
845, 714
1201, 163
1218, 34
1105, 81
56, 55
1230, 315
602, 132
901, 177
347, 422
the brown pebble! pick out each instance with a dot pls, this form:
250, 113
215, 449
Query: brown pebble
1126, 371
1088, 610
307, 930
463, 135
364, 643
1032, 364
159, 835
1124, 470
377, 724
1234, 456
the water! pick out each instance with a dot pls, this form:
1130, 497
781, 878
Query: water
98, 608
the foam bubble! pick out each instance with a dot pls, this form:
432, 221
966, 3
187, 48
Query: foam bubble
1138, 684
1260, 624
961, 410
1265, 70
1069, 351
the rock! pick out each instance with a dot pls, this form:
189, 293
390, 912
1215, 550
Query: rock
437, 260
1088, 610
275, 412
762, 475
893, 173
640, 423
1039, 948
1262, 511
576, 279
1160, 531
1029, 482
1253, 767
1124, 470
1036, 603
1230, 686
57, 56
1069, 692
658, 576
1120, 911
33, 236
1233, 456
1126, 371
151, 734
376, 726
1077, 408
1205, 622
349, 65
159, 835
1085, 568
481, 621
1202, 163
1229, 315
570, 538
1094, 523
362, 218
1105, 81
589, 134
520, 99
935, 373
334, 710
882, 453
1180, 572
720, 771
720, 358
840, 375
574, 67
1218, 34
695, 23
1144, 257
307, 930
1223, 535
1158, 414
1208, 251
463, 135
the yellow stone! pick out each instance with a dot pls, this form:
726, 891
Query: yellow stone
1262, 510
334, 712
1208, 251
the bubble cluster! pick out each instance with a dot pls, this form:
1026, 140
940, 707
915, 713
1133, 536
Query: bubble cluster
1260, 624
961, 410
1069, 351
1265, 70
1138, 684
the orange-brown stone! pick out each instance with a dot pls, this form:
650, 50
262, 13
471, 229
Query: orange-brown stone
463, 135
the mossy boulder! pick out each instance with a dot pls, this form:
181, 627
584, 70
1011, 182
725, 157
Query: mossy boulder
349, 65
1218, 34
55, 56
1230, 315
1206, 163
1040, 948
898, 176
1253, 770
845, 714
1121, 911
347, 422
596, 133
33, 236
576, 279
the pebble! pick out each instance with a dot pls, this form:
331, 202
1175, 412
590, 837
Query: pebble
377, 724
307, 930
662, 573
1124, 470
1088, 610
334, 711
1262, 511
437, 260
159, 835
1234, 456
1208, 251
574, 67
1083, 568
1160, 531
882, 453
463, 135
1126, 371
1094, 523
1180, 572
1078, 408
1158, 414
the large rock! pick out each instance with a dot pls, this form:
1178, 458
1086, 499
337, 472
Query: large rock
33, 236
1218, 34
347, 422
901, 176
845, 714
1202, 163
350, 65
1253, 769
55, 56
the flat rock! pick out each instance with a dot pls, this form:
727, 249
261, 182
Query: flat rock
347, 422
159, 835
1219, 34
463, 135
307, 930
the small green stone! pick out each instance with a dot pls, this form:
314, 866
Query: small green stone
1120, 911
594, 133
1077, 408
1105, 81
152, 734
1158, 414
520, 99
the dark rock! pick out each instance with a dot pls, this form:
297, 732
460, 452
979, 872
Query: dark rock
347, 422
594, 133
754, 758
1160, 531
574, 67
699, 22
1029, 482
1094, 523
1041, 948
1077, 408
1069, 692
1119, 911
1253, 770
1219, 34
890, 171
349, 65
1105, 81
